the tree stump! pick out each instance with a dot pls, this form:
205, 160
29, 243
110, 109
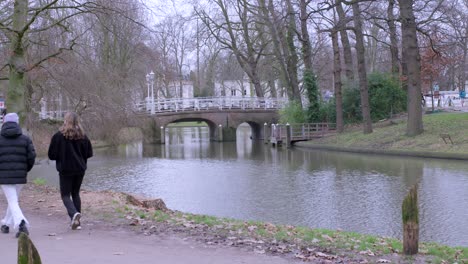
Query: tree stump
411, 222
27, 252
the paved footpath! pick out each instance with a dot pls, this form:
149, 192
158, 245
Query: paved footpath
97, 243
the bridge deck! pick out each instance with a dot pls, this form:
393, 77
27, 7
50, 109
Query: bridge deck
300, 132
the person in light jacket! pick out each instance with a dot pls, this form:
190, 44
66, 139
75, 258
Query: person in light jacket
71, 149
17, 157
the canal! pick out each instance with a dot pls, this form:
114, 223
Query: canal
252, 181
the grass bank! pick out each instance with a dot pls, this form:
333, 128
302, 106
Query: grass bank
392, 137
301, 242
314, 245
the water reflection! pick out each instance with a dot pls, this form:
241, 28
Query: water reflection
320, 189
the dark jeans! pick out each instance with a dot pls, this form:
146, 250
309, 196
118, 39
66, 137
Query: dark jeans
70, 184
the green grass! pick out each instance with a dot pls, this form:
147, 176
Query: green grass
203, 219
160, 216
141, 214
393, 137
351, 242
40, 181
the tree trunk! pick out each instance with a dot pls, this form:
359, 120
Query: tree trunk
365, 108
393, 37
337, 77
411, 60
311, 84
15, 101
305, 38
347, 54
275, 38
410, 216
27, 252
272, 86
463, 67
292, 60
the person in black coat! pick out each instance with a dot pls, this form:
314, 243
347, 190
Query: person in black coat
17, 157
71, 149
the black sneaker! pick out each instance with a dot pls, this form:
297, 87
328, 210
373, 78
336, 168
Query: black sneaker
22, 229
5, 229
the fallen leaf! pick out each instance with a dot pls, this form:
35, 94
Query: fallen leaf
383, 261
252, 228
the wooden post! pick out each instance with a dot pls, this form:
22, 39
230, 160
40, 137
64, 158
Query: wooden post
27, 252
411, 222
220, 133
288, 135
163, 135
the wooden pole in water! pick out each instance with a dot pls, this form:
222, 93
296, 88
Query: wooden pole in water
27, 252
411, 222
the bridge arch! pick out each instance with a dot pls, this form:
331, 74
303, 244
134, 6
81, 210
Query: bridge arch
225, 122
212, 126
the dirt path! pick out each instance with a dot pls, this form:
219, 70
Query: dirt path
104, 242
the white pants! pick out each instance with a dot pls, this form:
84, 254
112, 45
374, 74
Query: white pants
13, 215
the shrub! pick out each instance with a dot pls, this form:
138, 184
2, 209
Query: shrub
385, 98
385, 95
292, 113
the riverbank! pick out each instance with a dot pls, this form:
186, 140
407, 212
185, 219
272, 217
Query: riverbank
289, 242
389, 138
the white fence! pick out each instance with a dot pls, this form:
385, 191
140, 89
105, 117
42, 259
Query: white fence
192, 104
209, 103
447, 101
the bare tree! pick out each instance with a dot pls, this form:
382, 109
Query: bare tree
362, 70
411, 61
347, 54
238, 36
393, 37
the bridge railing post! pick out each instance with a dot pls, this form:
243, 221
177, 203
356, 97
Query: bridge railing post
288, 135
163, 135
220, 133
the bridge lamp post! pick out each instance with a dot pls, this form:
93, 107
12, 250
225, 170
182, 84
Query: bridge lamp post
150, 80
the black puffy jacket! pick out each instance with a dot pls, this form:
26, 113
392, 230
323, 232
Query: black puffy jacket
17, 154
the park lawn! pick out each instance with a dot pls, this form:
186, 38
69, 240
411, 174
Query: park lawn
392, 136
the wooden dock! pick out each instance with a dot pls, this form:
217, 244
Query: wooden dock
290, 133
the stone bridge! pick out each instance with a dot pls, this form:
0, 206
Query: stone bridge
223, 115
222, 125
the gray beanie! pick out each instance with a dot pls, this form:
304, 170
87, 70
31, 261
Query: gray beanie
11, 117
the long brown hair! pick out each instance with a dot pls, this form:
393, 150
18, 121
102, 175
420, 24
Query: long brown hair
71, 128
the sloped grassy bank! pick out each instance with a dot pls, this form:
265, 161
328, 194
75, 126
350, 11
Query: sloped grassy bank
302, 243
297, 242
391, 139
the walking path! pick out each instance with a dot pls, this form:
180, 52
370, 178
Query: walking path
99, 242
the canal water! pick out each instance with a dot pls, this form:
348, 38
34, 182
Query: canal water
252, 181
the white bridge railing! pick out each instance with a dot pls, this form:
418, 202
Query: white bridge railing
209, 103
192, 104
